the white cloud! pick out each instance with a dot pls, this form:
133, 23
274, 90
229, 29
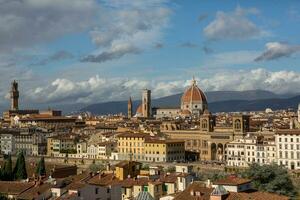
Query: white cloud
276, 50
233, 25
30, 22
129, 28
231, 58
278, 82
97, 89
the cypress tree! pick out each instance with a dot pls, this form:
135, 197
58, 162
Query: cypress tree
20, 168
7, 169
41, 169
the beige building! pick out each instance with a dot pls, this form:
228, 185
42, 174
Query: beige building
66, 143
245, 151
288, 148
208, 142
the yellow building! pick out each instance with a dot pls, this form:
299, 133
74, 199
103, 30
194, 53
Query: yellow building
131, 146
164, 150
127, 169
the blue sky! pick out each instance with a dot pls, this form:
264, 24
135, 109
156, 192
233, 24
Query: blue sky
88, 51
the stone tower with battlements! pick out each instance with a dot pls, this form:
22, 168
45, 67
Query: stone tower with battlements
14, 96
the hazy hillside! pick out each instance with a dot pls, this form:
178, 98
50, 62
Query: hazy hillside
218, 101
254, 105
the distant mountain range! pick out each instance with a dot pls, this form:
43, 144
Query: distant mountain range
219, 101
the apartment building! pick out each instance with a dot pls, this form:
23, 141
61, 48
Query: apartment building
164, 150
131, 146
288, 148
63, 143
245, 151
7, 142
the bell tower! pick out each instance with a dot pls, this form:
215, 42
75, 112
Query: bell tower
146, 103
207, 121
14, 96
129, 108
241, 123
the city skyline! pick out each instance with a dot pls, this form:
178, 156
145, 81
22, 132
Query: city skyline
97, 51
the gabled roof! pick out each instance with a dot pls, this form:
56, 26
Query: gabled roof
104, 179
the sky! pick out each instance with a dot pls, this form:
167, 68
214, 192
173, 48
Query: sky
87, 51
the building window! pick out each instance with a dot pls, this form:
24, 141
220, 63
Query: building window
237, 124
204, 123
96, 190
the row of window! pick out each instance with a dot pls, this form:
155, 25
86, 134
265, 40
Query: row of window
292, 154
292, 146
290, 140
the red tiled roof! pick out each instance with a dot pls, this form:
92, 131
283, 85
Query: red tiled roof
130, 134
130, 182
104, 179
255, 196
14, 187
198, 191
193, 93
232, 180
287, 132
35, 191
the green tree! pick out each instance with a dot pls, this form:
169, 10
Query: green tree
7, 169
271, 178
3, 197
170, 169
96, 167
41, 169
20, 167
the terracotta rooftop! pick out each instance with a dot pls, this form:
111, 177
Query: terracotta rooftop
232, 180
129, 182
193, 93
288, 132
130, 134
255, 195
14, 187
35, 191
75, 185
198, 191
104, 180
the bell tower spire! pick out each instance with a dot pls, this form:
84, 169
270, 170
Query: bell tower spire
129, 108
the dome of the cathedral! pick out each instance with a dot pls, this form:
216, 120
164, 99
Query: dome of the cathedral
139, 110
193, 94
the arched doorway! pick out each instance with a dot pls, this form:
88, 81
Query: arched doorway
220, 152
213, 150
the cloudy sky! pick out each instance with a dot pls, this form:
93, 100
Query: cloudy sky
85, 51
